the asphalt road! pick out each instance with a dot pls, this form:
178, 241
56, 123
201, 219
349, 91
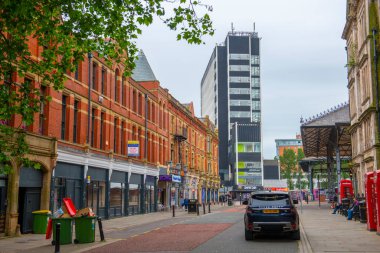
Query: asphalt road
221, 231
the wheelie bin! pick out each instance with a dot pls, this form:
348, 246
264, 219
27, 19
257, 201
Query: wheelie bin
85, 229
40, 221
66, 236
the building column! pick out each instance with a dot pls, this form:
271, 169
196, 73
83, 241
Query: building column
11, 219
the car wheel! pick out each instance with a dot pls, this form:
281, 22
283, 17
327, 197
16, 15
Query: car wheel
248, 235
296, 235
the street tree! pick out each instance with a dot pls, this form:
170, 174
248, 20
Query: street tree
288, 162
68, 30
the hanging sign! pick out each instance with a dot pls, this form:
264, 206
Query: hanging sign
133, 148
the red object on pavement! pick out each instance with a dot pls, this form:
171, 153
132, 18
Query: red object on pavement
49, 229
346, 190
70, 207
376, 181
370, 201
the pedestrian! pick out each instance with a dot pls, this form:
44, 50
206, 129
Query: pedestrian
186, 203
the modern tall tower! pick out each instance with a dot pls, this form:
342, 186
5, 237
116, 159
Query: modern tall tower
231, 97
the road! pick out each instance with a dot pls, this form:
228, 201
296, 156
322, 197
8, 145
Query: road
220, 231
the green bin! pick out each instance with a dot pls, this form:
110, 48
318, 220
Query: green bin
40, 221
85, 229
66, 230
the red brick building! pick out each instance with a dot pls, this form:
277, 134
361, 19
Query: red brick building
81, 139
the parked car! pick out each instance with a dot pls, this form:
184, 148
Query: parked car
271, 212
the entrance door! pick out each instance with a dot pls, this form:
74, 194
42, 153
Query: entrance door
29, 197
29, 202
3, 203
73, 191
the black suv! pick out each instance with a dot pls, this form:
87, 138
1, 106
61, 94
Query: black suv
270, 212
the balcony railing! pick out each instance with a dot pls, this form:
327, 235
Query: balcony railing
181, 134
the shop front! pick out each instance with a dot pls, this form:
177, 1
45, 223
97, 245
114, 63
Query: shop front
96, 191
118, 194
135, 196
150, 194
67, 182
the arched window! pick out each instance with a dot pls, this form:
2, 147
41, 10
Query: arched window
116, 85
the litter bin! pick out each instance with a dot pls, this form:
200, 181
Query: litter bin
363, 212
85, 229
229, 202
40, 221
192, 208
66, 230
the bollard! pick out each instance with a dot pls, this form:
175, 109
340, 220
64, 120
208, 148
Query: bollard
101, 229
198, 209
209, 207
204, 208
173, 210
57, 238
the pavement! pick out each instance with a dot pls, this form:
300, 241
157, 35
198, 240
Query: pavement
130, 225
220, 231
327, 232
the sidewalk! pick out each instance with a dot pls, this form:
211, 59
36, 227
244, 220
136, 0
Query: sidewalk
38, 243
328, 232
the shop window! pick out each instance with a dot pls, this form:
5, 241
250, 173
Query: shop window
116, 199
134, 199
96, 197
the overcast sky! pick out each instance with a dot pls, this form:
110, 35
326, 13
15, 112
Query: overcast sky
302, 58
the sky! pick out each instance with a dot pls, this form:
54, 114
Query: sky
303, 58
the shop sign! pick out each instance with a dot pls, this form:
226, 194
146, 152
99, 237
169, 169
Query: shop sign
133, 148
176, 179
165, 178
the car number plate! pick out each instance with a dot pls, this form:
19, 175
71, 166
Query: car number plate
271, 211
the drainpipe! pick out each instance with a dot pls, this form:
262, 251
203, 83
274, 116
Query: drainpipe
89, 98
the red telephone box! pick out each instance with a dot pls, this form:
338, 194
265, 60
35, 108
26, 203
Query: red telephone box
377, 200
370, 201
346, 190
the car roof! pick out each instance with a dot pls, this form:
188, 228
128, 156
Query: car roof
269, 192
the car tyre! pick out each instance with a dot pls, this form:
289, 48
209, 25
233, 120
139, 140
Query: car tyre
296, 235
248, 235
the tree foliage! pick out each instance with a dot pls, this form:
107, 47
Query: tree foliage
289, 167
68, 30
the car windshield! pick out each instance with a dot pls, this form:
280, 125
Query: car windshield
270, 200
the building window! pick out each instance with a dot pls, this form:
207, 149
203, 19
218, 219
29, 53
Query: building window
239, 67
256, 116
76, 74
115, 142
134, 102
63, 120
255, 71
42, 110
101, 130
239, 79
122, 137
123, 92
240, 102
239, 91
255, 82
116, 86
255, 93
139, 102
94, 75
75, 127
255, 59
92, 127
103, 88
256, 105
234, 114
239, 57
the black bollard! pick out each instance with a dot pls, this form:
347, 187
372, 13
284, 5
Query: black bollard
204, 208
198, 209
173, 210
101, 229
209, 207
57, 238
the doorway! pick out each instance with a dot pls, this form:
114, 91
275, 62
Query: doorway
3, 203
29, 197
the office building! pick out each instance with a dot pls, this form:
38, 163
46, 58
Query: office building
231, 97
